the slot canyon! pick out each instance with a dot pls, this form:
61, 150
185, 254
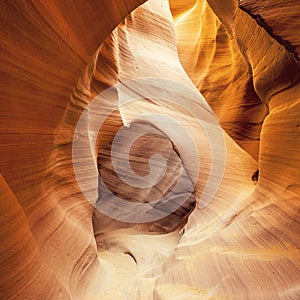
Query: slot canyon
150, 149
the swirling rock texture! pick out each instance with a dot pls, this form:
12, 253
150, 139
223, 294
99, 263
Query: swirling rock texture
243, 58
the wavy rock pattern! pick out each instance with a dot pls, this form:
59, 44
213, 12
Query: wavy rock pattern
244, 244
283, 29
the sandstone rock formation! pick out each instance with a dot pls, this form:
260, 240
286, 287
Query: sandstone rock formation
235, 235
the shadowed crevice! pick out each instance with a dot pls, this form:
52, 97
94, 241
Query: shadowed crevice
262, 22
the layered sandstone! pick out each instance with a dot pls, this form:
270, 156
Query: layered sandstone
241, 244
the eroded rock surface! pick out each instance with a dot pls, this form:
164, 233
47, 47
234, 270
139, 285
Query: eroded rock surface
241, 244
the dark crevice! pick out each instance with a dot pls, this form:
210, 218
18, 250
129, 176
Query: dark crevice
130, 254
261, 21
255, 176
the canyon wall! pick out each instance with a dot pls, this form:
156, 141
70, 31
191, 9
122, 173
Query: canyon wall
237, 234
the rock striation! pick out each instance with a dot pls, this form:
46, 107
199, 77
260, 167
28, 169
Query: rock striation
233, 230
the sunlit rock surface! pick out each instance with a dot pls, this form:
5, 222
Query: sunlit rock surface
243, 243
